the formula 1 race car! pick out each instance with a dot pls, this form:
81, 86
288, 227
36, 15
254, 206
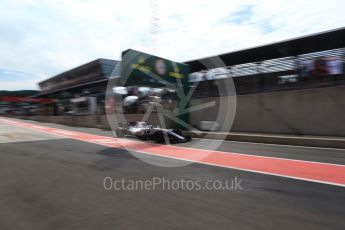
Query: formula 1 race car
144, 131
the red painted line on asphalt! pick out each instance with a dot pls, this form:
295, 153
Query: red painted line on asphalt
303, 170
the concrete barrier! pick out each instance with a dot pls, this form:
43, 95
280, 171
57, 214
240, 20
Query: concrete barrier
92, 121
297, 117
102, 122
319, 111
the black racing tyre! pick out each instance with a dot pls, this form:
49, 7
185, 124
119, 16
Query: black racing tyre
158, 137
141, 137
120, 133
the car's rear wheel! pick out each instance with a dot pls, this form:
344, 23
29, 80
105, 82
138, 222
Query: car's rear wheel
119, 133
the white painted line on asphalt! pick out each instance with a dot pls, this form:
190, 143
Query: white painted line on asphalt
270, 144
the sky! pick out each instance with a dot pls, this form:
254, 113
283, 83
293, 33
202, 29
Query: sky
42, 38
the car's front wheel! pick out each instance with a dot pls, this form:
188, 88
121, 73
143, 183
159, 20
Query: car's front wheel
158, 137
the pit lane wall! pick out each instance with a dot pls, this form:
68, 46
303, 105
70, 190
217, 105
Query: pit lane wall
91, 121
318, 112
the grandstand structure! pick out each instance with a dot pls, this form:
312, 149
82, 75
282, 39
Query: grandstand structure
306, 62
311, 61
80, 90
